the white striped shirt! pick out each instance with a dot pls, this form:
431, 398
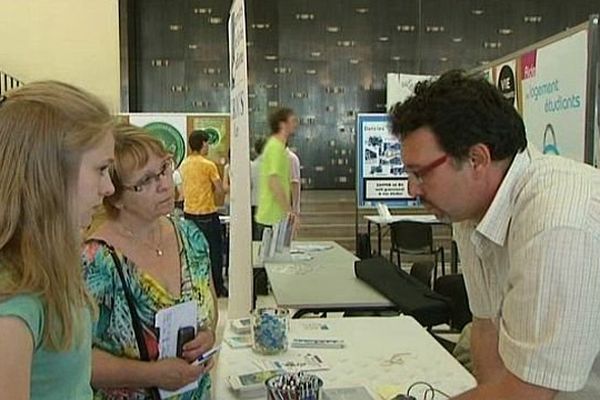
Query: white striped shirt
532, 265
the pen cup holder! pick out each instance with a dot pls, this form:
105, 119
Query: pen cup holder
299, 386
270, 330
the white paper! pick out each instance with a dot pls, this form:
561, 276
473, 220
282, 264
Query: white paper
169, 321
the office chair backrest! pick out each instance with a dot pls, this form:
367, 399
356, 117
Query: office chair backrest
410, 235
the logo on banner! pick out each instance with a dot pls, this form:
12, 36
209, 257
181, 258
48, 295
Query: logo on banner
506, 84
550, 146
529, 64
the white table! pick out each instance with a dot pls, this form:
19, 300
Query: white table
370, 342
324, 284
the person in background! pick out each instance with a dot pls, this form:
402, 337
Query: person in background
274, 201
158, 261
227, 184
56, 144
296, 185
201, 185
178, 182
254, 178
528, 232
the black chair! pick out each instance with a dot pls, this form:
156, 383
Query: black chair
415, 238
423, 271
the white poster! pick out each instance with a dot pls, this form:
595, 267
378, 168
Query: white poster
554, 96
401, 86
240, 259
381, 177
384, 189
382, 155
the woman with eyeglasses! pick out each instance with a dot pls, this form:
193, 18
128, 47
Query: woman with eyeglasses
137, 262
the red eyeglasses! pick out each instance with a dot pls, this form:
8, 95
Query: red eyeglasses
417, 176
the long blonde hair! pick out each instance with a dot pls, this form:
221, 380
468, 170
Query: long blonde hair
45, 127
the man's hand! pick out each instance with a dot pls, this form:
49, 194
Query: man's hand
508, 387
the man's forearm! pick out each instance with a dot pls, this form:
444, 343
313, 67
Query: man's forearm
508, 387
484, 351
277, 190
296, 197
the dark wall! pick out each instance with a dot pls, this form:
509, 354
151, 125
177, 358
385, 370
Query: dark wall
327, 59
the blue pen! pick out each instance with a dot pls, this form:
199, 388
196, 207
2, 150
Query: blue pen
206, 356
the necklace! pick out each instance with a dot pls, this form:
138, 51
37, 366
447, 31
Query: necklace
155, 247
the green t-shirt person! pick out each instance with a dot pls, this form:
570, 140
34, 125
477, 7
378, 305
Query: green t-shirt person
274, 162
55, 375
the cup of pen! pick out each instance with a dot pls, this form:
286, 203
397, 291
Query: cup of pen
270, 330
298, 386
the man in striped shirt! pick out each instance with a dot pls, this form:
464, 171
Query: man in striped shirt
528, 230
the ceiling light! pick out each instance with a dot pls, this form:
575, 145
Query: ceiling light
311, 71
315, 54
192, 46
346, 43
383, 38
354, 61
406, 28
175, 28
533, 19
435, 28
261, 26
443, 59
505, 31
202, 10
477, 11
270, 57
215, 20
492, 45
333, 29
396, 58
362, 10
484, 62
305, 17
457, 39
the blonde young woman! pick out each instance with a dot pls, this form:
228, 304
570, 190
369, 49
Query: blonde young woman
56, 145
138, 262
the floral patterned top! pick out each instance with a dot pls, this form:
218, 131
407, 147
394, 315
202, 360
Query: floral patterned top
113, 330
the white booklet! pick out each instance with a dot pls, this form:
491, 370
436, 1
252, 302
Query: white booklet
169, 321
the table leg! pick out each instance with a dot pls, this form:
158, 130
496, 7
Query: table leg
379, 239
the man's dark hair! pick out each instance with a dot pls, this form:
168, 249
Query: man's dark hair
259, 145
278, 116
197, 139
462, 111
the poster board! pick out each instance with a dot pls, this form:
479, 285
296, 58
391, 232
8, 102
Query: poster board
401, 86
556, 99
554, 96
379, 167
240, 259
174, 129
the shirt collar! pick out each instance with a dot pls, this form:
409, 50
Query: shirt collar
494, 224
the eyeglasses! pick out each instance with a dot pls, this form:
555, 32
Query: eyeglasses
149, 180
418, 175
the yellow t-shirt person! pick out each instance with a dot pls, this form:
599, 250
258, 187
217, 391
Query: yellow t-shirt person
199, 178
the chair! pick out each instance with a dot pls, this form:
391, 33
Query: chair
423, 271
415, 238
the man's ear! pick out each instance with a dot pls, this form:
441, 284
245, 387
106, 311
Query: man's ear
480, 157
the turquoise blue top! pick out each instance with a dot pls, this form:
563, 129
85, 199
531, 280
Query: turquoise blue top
54, 375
